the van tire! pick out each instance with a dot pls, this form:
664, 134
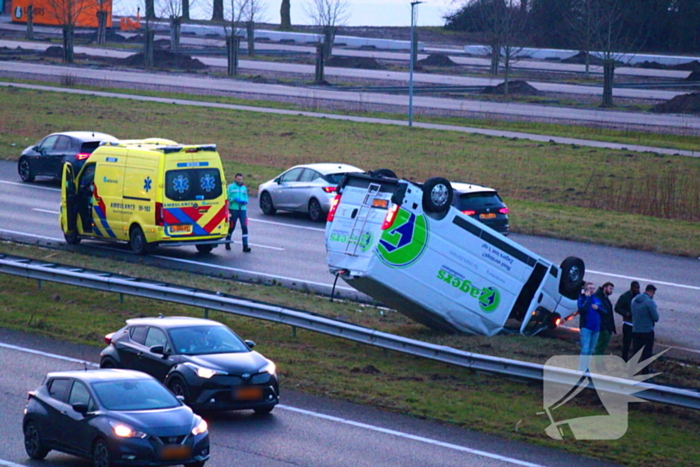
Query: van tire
315, 210
24, 169
204, 248
266, 205
385, 173
72, 237
437, 195
571, 281
137, 241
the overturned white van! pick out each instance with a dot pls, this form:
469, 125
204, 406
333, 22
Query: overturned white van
403, 244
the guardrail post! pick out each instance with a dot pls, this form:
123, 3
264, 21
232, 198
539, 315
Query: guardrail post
121, 297
294, 331
206, 313
38, 283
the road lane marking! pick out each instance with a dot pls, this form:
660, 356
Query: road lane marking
315, 229
401, 434
30, 186
45, 210
641, 279
257, 245
14, 232
10, 464
344, 421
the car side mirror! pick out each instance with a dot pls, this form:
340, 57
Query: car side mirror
80, 407
35, 148
278, 180
180, 398
250, 344
158, 349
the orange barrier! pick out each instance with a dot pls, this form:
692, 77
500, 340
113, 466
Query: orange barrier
49, 11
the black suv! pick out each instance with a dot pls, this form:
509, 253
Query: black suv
483, 204
201, 360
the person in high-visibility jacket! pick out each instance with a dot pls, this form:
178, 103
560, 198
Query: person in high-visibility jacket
238, 208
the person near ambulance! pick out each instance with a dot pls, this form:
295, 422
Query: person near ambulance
238, 209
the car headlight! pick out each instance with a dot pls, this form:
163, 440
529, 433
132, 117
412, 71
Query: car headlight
269, 368
125, 431
204, 372
200, 426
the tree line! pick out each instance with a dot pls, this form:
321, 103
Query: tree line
659, 26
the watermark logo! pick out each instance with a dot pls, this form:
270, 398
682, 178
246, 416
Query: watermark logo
405, 242
560, 386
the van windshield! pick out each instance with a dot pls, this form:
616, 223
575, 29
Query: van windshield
193, 184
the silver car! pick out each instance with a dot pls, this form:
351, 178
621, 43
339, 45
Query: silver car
306, 188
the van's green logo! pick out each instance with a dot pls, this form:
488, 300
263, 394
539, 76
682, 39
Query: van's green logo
405, 242
489, 297
364, 241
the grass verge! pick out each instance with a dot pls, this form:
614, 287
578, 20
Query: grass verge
322, 365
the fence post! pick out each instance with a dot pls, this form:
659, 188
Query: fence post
318, 79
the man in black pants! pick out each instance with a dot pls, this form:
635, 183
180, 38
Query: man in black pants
623, 307
644, 317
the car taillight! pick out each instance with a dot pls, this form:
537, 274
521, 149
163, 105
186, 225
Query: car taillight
330, 189
390, 216
469, 213
159, 214
82, 156
108, 338
30, 394
334, 206
503, 210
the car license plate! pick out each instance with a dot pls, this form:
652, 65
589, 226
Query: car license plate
248, 394
175, 452
181, 229
490, 215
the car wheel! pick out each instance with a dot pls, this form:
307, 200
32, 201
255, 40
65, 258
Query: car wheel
33, 443
386, 173
137, 240
205, 248
315, 211
571, 281
437, 195
263, 410
266, 205
72, 237
108, 363
25, 170
179, 388
100, 454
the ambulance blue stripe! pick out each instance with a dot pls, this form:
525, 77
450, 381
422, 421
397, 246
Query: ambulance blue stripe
97, 231
197, 230
104, 222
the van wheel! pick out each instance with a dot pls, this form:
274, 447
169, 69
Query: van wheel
437, 195
137, 240
266, 205
25, 170
315, 211
386, 173
571, 281
72, 237
205, 248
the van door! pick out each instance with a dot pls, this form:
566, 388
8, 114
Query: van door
107, 206
69, 204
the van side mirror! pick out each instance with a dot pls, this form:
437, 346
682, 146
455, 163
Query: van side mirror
80, 407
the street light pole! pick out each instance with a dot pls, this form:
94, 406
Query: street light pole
410, 74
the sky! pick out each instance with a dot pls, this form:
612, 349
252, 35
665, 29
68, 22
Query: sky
361, 12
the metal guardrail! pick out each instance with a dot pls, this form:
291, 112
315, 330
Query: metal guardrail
210, 300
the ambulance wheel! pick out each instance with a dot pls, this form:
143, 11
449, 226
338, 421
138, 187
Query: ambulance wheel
315, 210
386, 173
137, 241
25, 170
437, 195
205, 248
571, 281
72, 238
266, 205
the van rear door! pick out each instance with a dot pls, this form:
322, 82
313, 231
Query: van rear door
68, 216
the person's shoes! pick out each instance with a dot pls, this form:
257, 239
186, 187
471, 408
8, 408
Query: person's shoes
228, 246
246, 249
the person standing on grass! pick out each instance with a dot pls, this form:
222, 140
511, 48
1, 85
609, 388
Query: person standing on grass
644, 318
623, 307
607, 324
237, 194
589, 324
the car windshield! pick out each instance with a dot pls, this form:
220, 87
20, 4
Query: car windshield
130, 395
478, 200
199, 340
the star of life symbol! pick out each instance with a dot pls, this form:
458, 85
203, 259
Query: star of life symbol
181, 184
562, 381
208, 183
147, 184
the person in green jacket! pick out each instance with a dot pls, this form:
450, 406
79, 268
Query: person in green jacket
237, 194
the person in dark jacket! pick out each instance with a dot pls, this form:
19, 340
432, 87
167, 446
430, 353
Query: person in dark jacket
623, 307
607, 324
589, 324
644, 317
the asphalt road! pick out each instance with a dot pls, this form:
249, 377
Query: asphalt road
288, 248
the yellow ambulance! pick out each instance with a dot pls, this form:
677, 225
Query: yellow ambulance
147, 192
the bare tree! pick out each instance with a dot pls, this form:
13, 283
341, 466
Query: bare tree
66, 13
328, 15
581, 23
235, 12
217, 10
253, 13
176, 11
286, 16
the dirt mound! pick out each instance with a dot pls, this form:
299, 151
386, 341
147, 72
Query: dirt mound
519, 87
683, 104
436, 60
694, 76
580, 58
166, 59
55, 51
364, 63
687, 66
